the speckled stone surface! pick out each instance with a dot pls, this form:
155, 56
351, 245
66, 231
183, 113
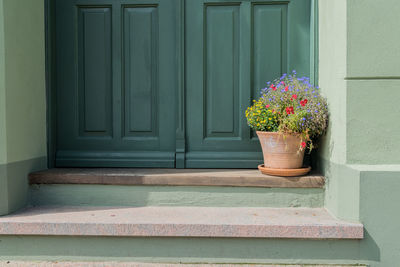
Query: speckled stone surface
314, 223
140, 264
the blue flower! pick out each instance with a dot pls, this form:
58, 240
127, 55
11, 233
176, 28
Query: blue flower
316, 111
303, 119
318, 104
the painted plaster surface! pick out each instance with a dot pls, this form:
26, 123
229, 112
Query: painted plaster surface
374, 35
373, 125
182, 250
332, 71
142, 264
22, 99
24, 79
3, 132
179, 222
208, 196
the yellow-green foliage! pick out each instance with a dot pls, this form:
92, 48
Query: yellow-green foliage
261, 118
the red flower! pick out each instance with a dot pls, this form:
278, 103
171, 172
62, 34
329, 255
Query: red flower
283, 82
267, 106
273, 87
303, 102
286, 88
303, 144
289, 110
293, 97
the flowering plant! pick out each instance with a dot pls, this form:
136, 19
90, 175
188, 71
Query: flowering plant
290, 105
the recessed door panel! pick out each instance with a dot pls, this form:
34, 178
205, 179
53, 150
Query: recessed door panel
94, 72
140, 73
221, 77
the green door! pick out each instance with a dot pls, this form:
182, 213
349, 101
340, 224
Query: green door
165, 83
232, 49
116, 82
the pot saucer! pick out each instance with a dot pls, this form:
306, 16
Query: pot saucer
284, 172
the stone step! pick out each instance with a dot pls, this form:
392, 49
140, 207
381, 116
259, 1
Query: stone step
173, 187
182, 177
188, 222
142, 264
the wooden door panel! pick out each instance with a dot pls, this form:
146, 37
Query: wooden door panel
94, 72
111, 57
221, 77
269, 22
140, 74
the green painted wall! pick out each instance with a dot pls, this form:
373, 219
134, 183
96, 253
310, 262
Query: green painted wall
360, 74
332, 73
182, 250
373, 123
22, 99
3, 134
25, 79
373, 38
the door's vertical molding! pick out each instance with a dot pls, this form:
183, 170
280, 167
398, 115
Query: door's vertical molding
49, 18
246, 63
314, 42
116, 34
180, 141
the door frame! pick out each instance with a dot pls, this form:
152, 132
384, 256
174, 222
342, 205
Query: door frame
180, 136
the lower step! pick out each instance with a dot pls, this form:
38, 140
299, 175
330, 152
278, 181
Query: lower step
294, 223
173, 187
141, 264
206, 196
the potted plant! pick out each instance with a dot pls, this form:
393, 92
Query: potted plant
288, 116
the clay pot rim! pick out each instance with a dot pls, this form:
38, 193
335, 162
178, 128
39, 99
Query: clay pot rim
279, 133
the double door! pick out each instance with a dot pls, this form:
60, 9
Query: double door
165, 83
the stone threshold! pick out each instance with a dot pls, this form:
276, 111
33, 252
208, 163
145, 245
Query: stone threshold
220, 222
173, 177
142, 264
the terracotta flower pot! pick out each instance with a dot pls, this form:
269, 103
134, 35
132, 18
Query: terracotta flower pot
281, 151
